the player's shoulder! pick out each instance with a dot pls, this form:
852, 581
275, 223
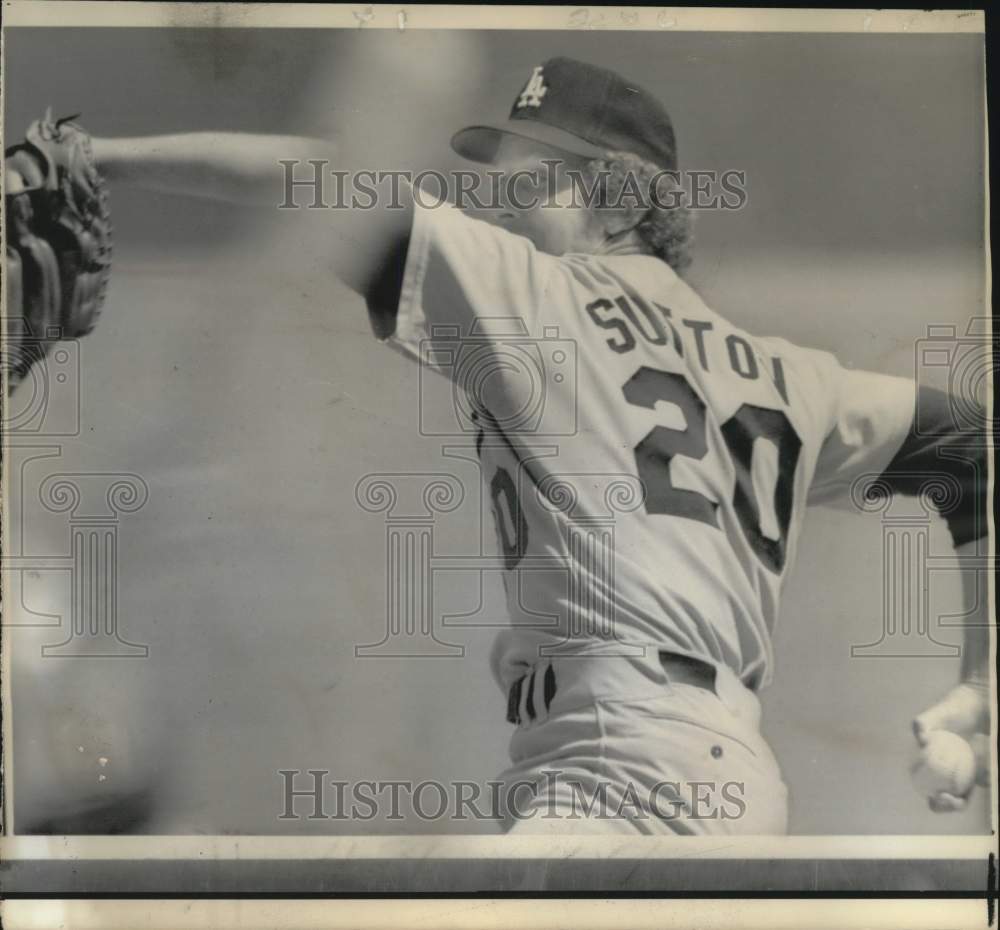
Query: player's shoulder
808, 361
632, 273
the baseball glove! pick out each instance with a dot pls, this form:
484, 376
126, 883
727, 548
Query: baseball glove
58, 242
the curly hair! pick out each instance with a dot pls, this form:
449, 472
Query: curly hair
665, 229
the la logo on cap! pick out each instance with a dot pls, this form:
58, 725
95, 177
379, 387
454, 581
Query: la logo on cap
533, 92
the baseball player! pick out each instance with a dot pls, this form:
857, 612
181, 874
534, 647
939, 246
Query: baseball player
649, 508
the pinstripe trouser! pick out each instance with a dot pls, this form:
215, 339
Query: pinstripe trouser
607, 745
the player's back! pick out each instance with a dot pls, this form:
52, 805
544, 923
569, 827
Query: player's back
668, 477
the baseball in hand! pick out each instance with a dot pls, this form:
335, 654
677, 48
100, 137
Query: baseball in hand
947, 763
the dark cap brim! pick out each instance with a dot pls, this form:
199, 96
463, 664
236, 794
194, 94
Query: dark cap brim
481, 143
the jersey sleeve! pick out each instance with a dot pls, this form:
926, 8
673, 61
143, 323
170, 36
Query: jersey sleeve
887, 429
457, 278
869, 417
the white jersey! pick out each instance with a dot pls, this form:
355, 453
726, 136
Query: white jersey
649, 464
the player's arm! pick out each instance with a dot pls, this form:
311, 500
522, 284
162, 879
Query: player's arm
948, 467
959, 457
272, 172
418, 267
908, 437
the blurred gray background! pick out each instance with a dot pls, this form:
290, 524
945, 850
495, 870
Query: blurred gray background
251, 404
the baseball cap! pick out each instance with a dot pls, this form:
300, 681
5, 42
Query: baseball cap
581, 109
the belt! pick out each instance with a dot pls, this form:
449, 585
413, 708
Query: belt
679, 669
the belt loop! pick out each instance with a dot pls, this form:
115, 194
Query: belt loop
514, 701
529, 704
524, 705
549, 685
